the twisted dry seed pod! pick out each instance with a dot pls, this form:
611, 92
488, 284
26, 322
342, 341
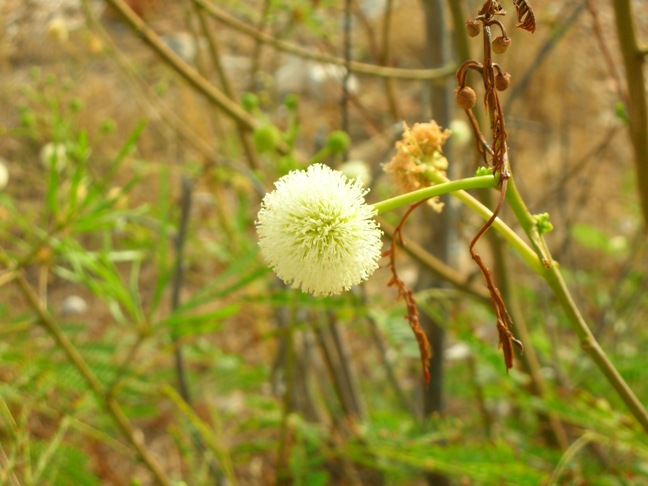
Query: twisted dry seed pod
465, 97
502, 81
500, 44
473, 27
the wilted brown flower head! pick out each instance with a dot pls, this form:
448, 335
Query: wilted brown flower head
419, 152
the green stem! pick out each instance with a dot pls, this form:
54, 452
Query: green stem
442, 186
458, 189
539, 259
551, 273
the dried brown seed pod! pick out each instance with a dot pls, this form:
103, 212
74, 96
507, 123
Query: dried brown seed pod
500, 44
465, 97
502, 81
473, 27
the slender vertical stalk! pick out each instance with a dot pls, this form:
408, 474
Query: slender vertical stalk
529, 358
181, 238
332, 360
345, 368
283, 452
385, 49
486, 415
458, 15
389, 369
440, 238
637, 105
258, 45
203, 86
215, 54
344, 102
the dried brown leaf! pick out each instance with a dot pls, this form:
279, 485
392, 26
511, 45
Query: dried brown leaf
525, 15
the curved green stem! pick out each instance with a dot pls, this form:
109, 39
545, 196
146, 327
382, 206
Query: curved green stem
551, 273
537, 257
442, 186
458, 189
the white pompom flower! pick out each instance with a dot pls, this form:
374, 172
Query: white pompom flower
317, 232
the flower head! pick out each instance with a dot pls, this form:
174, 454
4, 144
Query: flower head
418, 153
317, 232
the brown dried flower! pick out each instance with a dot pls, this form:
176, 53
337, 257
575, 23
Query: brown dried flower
419, 152
500, 44
473, 27
502, 81
465, 97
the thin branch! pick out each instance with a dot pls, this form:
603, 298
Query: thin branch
577, 322
190, 74
181, 238
374, 331
258, 44
149, 101
354, 66
385, 54
460, 37
109, 402
282, 468
552, 40
457, 189
480, 396
637, 105
345, 368
215, 54
332, 362
610, 64
344, 100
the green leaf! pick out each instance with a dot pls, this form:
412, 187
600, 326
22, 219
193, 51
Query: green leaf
190, 325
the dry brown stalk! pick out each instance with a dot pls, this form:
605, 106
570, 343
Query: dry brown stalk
407, 295
494, 154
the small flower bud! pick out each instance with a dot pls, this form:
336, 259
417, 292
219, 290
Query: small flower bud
544, 225
465, 97
500, 44
265, 138
502, 81
338, 141
290, 101
250, 101
473, 27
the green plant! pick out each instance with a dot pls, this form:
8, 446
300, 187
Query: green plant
145, 341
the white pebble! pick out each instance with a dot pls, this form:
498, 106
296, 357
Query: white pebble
4, 174
74, 305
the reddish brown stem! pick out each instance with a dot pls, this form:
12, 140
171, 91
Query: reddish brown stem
407, 295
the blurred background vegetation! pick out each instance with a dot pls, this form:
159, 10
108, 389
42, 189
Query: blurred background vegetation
144, 341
